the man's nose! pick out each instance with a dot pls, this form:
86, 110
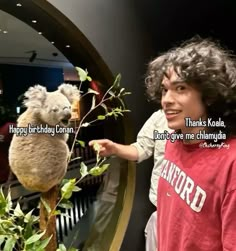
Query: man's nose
168, 97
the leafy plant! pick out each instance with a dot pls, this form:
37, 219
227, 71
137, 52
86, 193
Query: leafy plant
19, 230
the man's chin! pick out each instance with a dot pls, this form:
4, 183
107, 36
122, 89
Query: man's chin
174, 125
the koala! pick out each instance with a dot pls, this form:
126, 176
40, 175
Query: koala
39, 160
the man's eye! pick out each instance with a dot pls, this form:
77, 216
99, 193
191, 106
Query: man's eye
163, 90
180, 88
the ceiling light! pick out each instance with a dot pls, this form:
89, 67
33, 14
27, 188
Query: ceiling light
18, 4
40, 33
5, 32
52, 42
34, 21
68, 46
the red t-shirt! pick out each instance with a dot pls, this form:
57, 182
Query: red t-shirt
5, 140
197, 198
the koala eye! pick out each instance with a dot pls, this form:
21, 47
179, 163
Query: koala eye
55, 109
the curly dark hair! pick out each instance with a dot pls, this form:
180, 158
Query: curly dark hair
211, 69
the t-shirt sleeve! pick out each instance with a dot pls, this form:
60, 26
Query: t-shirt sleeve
145, 142
228, 214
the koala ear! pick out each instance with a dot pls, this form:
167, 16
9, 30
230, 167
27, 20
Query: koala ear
70, 91
35, 96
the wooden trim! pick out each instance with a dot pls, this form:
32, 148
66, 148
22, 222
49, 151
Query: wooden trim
127, 189
127, 204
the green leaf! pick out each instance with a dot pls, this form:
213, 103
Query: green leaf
112, 93
10, 243
3, 203
104, 167
86, 124
35, 219
82, 74
96, 171
83, 169
96, 147
28, 216
101, 117
20, 228
28, 231
77, 189
127, 93
67, 204
47, 207
89, 78
122, 102
2, 196
105, 107
9, 202
116, 83
64, 181
80, 142
67, 189
73, 249
93, 102
7, 222
121, 90
17, 211
61, 247
92, 91
43, 244
34, 238
56, 212
2, 239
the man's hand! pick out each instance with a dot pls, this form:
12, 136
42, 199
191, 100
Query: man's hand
106, 147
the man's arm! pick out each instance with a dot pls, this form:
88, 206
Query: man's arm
108, 148
140, 150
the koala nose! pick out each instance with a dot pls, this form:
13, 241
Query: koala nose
67, 116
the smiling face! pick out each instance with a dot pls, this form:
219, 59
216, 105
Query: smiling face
179, 101
56, 110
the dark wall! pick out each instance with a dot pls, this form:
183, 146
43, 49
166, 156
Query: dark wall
170, 22
16, 79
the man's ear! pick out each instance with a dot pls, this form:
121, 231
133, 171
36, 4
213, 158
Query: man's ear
70, 91
35, 96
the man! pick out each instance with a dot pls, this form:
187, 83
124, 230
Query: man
196, 84
142, 149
